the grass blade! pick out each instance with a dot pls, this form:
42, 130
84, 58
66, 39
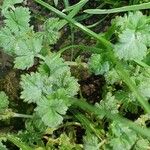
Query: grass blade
120, 9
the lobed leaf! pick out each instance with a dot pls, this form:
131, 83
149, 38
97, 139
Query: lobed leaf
90, 142
18, 20
3, 101
9, 3
130, 46
2, 146
134, 36
51, 111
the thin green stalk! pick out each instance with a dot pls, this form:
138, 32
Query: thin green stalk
81, 47
98, 22
87, 123
86, 16
22, 115
66, 3
72, 41
73, 12
142, 64
73, 6
71, 63
120, 9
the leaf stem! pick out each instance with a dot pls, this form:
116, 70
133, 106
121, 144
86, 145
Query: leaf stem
22, 115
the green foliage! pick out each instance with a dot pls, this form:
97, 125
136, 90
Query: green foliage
51, 111
97, 66
121, 137
57, 114
50, 89
109, 103
2, 146
91, 142
50, 32
144, 87
18, 19
18, 38
133, 36
65, 143
3, 101
9, 4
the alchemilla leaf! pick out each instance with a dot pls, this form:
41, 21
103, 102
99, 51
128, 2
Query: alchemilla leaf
7, 40
26, 50
3, 101
32, 87
109, 103
91, 142
51, 111
134, 21
134, 36
50, 33
18, 20
9, 3
130, 46
122, 137
2, 146
144, 86
59, 74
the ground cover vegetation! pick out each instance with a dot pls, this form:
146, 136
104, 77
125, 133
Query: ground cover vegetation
75, 75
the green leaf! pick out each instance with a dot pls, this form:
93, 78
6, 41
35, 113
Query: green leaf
134, 36
56, 2
50, 33
26, 50
97, 65
130, 46
121, 137
55, 66
18, 20
66, 143
2, 146
32, 87
90, 142
127, 101
3, 101
142, 144
15, 140
9, 3
134, 21
144, 86
112, 77
51, 111
23, 62
35, 129
59, 74
109, 103
7, 40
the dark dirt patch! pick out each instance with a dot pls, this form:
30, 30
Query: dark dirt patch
92, 88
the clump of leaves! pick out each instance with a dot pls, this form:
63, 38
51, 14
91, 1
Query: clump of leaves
51, 89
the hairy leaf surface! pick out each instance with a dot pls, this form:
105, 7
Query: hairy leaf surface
51, 111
